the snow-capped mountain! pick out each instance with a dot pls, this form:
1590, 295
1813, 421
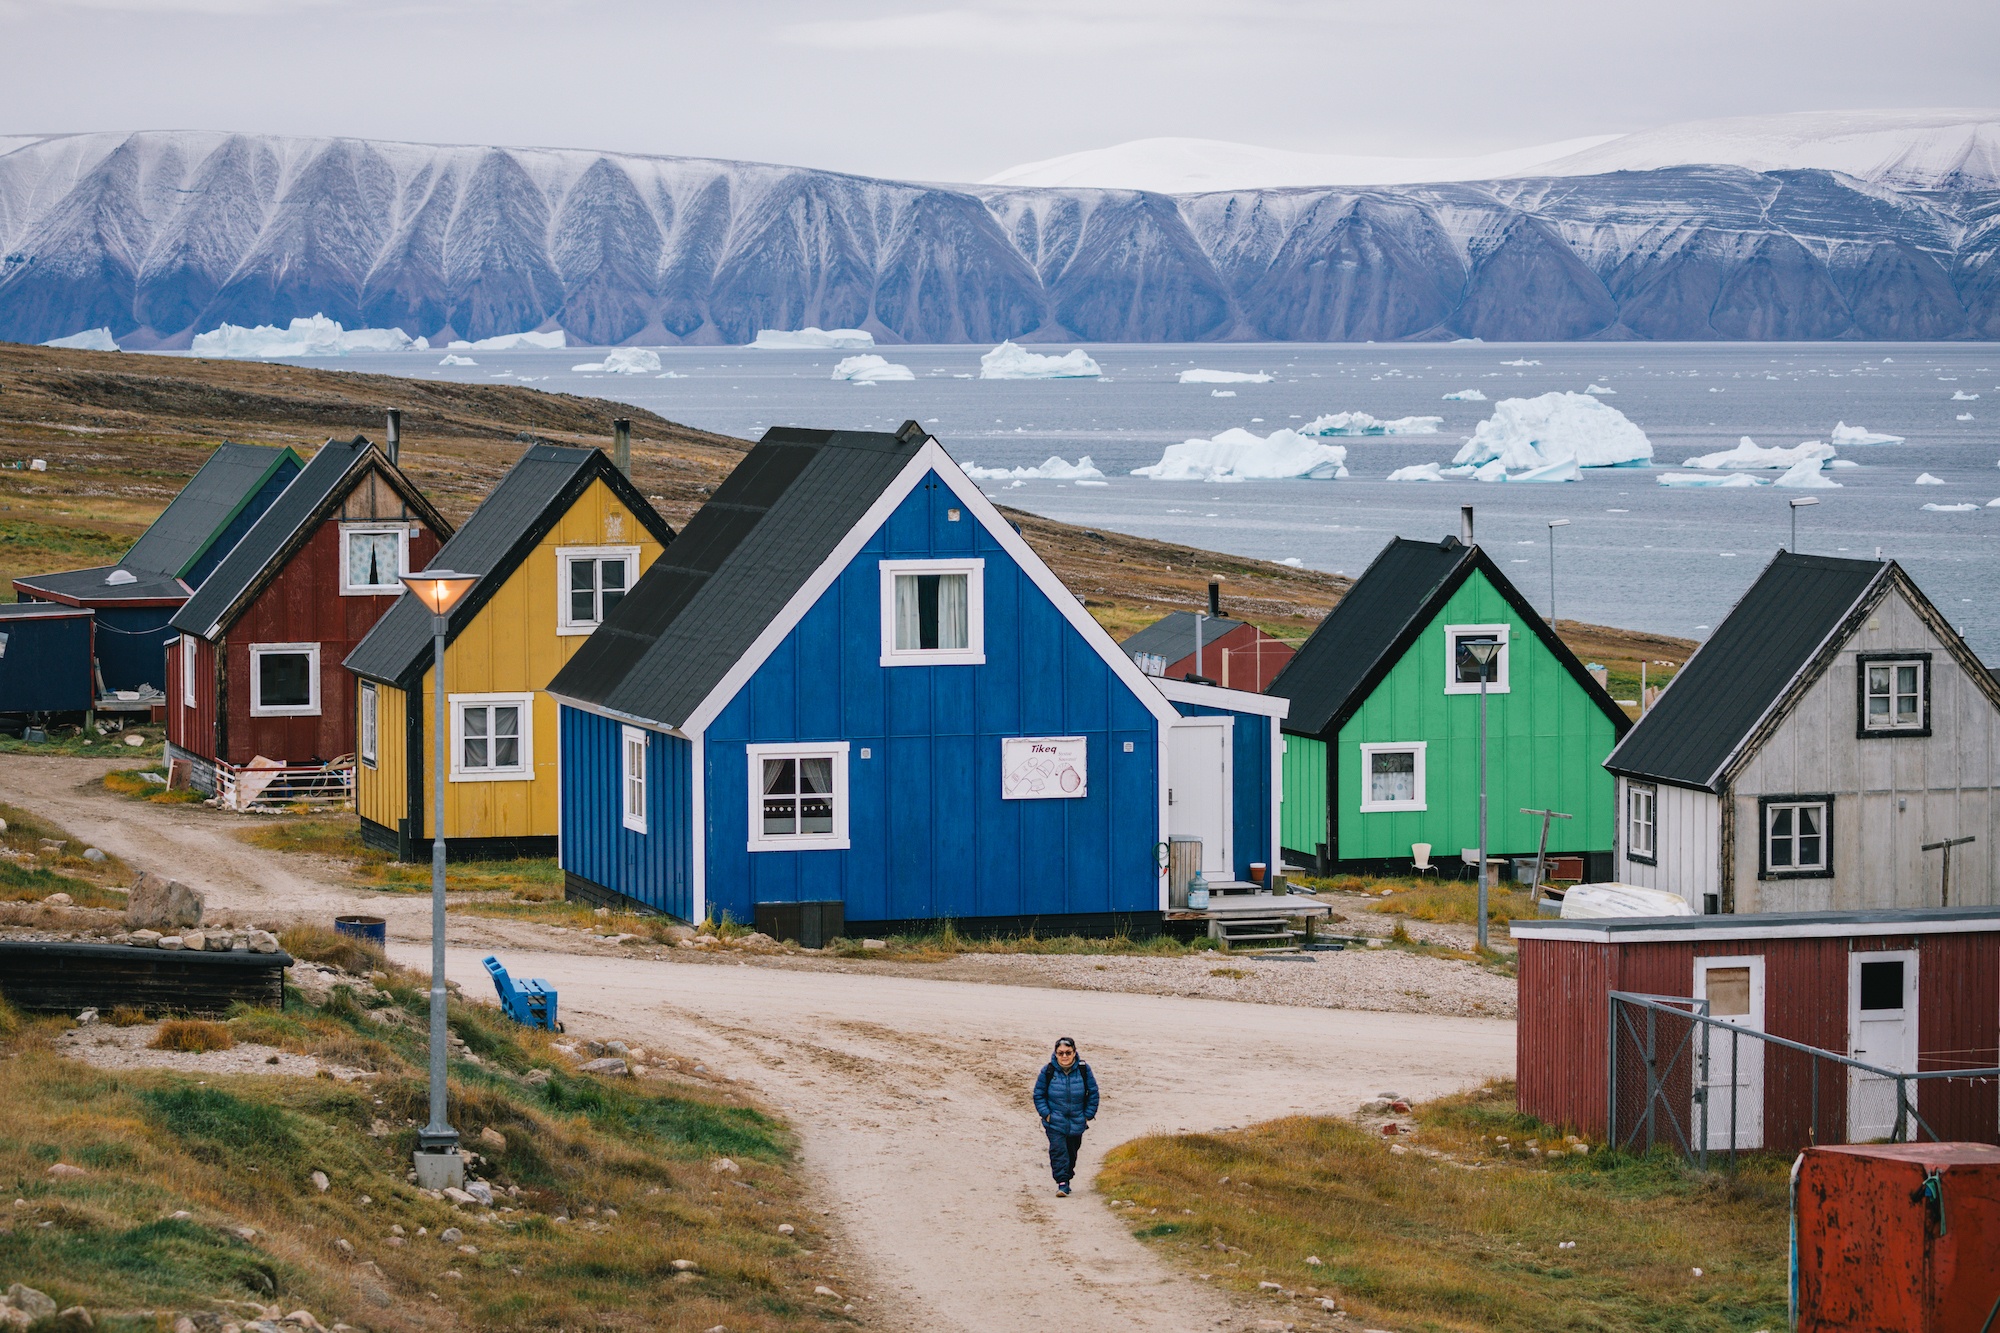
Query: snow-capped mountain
162, 235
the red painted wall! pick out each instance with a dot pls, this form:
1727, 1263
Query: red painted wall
1249, 666
192, 729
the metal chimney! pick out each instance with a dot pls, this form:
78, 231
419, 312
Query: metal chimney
621, 445
1215, 596
393, 446
1465, 524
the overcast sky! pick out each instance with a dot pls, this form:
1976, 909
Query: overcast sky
940, 92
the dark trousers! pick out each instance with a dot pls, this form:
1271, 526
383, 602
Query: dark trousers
1063, 1149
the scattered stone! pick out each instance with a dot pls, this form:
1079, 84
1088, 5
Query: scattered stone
305, 1320
86, 1018
179, 1215
480, 1192
135, 741
93, 854
172, 942
468, 1249
157, 902
146, 939
610, 1066
77, 1317
1270, 1286
457, 1195
220, 941
493, 1138
451, 1236
874, 944
60, 900
244, 1233
194, 941
64, 1171
535, 1078
826, 1291
320, 1182
395, 1242
723, 1166
785, 1229
263, 941
1398, 1149
33, 1303
345, 1246
1313, 1259
686, 1266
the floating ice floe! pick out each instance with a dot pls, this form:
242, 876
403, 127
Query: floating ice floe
1965, 416
1520, 363
1806, 475
1926, 479
1010, 361
1749, 454
1224, 377
1465, 396
1053, 469
1599, 389
1961, 396
624, 361
1360, 423
1846, 434
1951, 509
453, 359
92, 340
1417, 472
553, 340
1566, 470
1222, 393
318, 336
1293, 561
1712, 480
870, 369
1525, 434
1240, 455
838, 340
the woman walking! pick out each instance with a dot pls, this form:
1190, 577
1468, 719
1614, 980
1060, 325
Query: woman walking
1066, 1099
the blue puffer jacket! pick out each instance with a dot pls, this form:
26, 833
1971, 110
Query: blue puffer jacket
1066, 1101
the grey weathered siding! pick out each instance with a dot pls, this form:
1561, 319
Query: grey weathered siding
1687, 856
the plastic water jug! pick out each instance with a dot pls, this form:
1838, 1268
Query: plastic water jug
1198, 893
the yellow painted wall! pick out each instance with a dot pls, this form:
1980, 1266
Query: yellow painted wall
382, 793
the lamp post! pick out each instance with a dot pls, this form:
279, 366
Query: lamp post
1554, 523
1797, 503
437, 1161
1483, 652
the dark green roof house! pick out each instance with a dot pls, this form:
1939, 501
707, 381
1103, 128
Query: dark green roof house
1382, 743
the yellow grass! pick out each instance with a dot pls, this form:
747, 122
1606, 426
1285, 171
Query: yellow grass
192, 1034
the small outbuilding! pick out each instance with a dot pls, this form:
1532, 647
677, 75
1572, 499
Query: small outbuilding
1817, 753
1233, 653
45, 655
1898, 989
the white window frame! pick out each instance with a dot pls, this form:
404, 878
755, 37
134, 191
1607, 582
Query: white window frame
401, 531
524, 770
569, 555
368, 741
187, 671
974, 652
1822, 868
1893, 728
1634, 791
631, 783
759, 841
1368, 753
1498, 685
259, 651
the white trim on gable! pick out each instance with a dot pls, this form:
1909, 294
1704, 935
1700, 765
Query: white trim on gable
629, 719
1218, 696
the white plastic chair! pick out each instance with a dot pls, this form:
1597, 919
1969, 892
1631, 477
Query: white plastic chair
1420, 859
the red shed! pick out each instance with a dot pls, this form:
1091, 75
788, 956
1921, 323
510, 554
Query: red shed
1234, 653
256, 670
1910, 990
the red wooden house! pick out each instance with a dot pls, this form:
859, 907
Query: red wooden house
1234, 653
256, 674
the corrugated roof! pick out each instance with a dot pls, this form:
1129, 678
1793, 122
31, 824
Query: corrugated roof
1734, 678
214, 495
284, 524
1172, 635
1359, 638
41, 611
534, 495
773, 522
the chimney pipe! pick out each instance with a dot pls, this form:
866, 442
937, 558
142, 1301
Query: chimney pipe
1215, 596
621, 445
1465, 524
394, 445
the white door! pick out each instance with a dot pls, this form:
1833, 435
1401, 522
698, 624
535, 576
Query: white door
1734, 989
1198, 790
1881, 1031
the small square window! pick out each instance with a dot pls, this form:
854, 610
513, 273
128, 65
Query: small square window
798, 797
1462, 668
373, 559
1642, 800
284, 680
369, 703
592, 580
933, 612
1895, 695
492, 737
1797, 839
1392, 777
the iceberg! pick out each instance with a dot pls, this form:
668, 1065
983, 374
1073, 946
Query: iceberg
318, 336
1226, 377
1052, 469
1965, 416
1417, 472
624, 361
815, 339
453, 359
1599, 390
1806, 474
870, 369
1520, 363
99, 340
1465, 396
1240, 455
1749, 454
1528, 433
1951, 509
1360, 423
1846, 434
1926, 479
1712, 480
1957, 396
514, 342
1567, 470
1010, 361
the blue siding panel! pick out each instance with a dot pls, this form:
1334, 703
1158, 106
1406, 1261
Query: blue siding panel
1252, 799
655, 867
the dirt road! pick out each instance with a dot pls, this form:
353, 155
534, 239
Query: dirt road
910, 1095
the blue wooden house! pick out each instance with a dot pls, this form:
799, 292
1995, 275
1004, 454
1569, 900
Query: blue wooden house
850, 681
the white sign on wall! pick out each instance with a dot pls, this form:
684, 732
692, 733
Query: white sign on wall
1043, 768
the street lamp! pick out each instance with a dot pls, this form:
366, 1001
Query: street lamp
1797, 503
1554, 523
1482, 651
437, 1160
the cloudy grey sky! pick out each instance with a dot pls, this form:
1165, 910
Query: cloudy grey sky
932, 90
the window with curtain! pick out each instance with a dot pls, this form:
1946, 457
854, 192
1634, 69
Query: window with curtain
375, 559
1894, 695
492, 737
1392, 777
1795, 837
932, 613
798, 796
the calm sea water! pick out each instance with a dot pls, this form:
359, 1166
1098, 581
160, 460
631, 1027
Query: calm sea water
1634, 553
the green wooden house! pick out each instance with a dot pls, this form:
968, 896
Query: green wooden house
1382, 743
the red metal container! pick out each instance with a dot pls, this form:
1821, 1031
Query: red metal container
1902, 1237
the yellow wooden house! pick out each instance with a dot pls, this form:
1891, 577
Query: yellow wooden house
556, 545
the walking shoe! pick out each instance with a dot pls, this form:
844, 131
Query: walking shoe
1062, 1188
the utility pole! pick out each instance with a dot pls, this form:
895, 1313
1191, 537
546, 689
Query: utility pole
1542, 850
1944, 898
1554, 523
1483, 653
1797, 503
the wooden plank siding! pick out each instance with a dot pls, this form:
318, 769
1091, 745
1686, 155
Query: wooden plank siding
1687, 855
193, 728
382, 789
657, 867
1304, 797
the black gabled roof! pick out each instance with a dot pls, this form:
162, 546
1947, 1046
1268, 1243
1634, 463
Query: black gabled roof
741, 558
216, 493
1744, 668
1382, 615
509, 524
1172, 635
288, 522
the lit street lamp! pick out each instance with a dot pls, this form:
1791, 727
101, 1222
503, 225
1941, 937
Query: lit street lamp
1797, 503
1483, 652
1554, 523
437, 1160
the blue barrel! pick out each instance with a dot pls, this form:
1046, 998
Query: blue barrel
368, 929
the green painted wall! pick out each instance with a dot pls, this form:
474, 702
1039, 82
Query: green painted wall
1302, 821
1546, 746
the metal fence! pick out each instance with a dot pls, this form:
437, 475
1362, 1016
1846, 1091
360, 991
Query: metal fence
1699, 1084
